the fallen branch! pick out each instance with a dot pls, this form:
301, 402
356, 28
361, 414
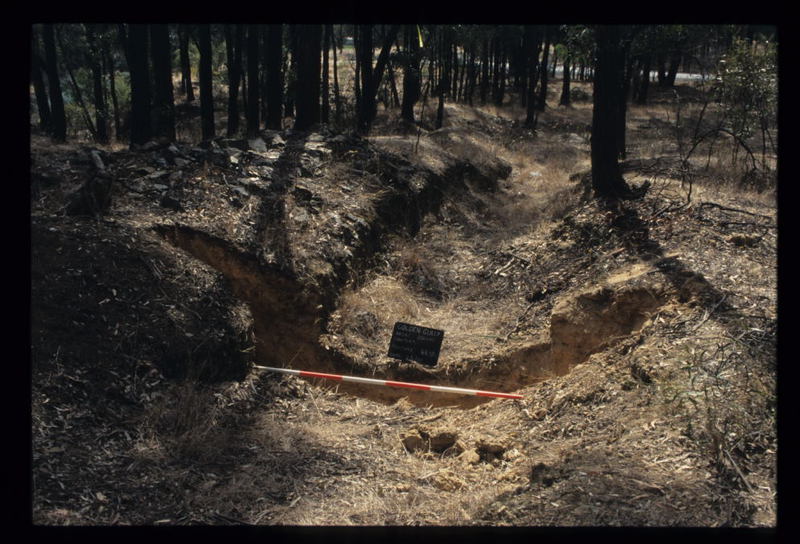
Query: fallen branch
737, 210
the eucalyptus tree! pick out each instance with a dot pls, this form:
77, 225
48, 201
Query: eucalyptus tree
59, 117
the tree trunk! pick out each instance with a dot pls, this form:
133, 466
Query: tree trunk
662, 74
565, 98
59, 117
206, 84
290, 69
672, 71
541, 101
141, 128
186, 66
274, 77
472, 74
607, 178
371, 77
253, 121
326, 101
96, 66
336, 98
644, 86
484, 70
37, 67
411, 83
233, 54
308, 76
364, 49
535, 39
108, 61
164, 100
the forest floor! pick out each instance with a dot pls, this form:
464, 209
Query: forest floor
641, 336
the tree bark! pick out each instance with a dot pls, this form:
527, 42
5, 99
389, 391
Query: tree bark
336, 98
233, 53
141, 128
108, 61
371, 77
607, 178
565, 98
541, 101
308, 76
253, 110
206, 84
100, 108
163, 100
326, 101
274, 77
59, 117
186, 67
644, 81
535, 38
411, 76
37, 68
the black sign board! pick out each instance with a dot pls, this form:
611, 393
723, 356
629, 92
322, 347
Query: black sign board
415, 343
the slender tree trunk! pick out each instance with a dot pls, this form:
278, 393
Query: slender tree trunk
96, 66
206, 85
565, 98
186, 66
291, 72
233, 53
164, 100
326, 46
140, 125
541, 102
672, 71
263, 87
274, 77
533, 76
644, 86
392, 85
308, 76
336, 98
364, 60
662, 74
555, 63
37, 68
253, 110
411, 83
59, 117
484, 70
607, 178
108, 60
87, 119
472, 73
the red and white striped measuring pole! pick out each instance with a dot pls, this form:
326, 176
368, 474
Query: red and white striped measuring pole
389, 383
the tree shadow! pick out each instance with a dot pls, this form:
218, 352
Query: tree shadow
270, 233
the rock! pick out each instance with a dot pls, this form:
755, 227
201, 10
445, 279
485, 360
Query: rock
470, 457
91, 198
446, 480
170, 203
241, 190
181, 163
260, 171
299, 215
302, 194
160, 187
257, 144
240, 144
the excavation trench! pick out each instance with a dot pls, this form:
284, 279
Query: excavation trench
289, 321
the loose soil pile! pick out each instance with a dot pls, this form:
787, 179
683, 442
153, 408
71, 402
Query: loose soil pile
641, 336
